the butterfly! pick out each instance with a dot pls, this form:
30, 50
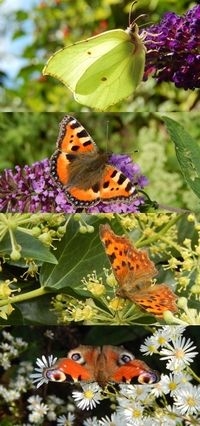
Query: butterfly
101, 364
134, 271
83, 171
101, 70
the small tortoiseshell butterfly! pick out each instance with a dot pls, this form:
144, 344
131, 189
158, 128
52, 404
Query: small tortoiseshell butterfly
101, 364
134, 271
83, 171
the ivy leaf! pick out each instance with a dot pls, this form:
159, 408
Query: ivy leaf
31, 247
77, 255
187, 152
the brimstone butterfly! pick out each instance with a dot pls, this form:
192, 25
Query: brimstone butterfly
101, 70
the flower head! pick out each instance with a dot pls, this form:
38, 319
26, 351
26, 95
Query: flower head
179, 354
43, 363
187, 399
89, 397
66, 421
173, 49
38, 409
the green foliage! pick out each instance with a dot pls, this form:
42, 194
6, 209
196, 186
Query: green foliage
187, 152
26, 137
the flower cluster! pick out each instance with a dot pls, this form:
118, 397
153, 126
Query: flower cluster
10, 348
16, 404
173, 49
31, 189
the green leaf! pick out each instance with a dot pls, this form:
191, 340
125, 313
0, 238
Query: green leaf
31, 247
77, 255
187, 152
38, 311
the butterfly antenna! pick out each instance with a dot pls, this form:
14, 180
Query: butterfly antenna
131, 11
130, 14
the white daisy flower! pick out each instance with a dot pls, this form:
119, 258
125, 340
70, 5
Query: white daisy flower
150, 346
180, 353
135, 392
160, 388
114, 420
89, 397
38, 408
187, 400
171, 332
91, 421
160, 337
130, 411
171, 383
66, 421
43, 364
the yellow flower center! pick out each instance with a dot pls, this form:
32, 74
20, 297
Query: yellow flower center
89, 394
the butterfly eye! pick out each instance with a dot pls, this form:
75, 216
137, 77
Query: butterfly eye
149, 377
125, 357
55, 375
77, 357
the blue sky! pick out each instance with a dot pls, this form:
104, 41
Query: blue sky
10, 50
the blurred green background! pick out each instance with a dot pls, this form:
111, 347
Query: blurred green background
30, 137
49, 25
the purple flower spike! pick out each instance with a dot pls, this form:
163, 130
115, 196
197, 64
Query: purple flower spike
173, 49
31, 189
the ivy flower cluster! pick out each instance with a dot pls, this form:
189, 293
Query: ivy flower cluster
44, 227
31, 189
173, 49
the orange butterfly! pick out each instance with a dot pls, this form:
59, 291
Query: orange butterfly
134, 271
101, 364
83, 171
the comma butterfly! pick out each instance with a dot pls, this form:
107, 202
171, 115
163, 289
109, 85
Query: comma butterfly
134, 271
83, 171
101, 364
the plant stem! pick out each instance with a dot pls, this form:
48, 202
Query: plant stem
159, 234
193, 374
24, 296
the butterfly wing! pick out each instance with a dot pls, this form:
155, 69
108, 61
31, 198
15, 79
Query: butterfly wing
156, 299
101, 70
79, 365
72, 141
115, 186
71, 62
120, 365
67, 370
133, 370
73, 137
130, 266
